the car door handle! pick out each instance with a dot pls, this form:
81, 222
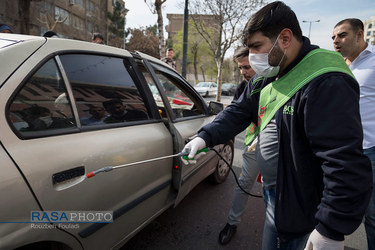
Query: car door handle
68, 175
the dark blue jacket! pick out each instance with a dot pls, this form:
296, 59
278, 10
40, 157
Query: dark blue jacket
324, 181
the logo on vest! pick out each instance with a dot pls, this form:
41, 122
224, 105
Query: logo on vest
288, 110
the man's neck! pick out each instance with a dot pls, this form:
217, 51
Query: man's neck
352, 57
291, 54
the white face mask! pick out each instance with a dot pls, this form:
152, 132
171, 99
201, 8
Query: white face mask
259, 62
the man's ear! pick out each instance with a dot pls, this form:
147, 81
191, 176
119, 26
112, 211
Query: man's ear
360, 36
286, 36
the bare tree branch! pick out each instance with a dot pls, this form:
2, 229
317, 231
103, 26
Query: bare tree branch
228, 17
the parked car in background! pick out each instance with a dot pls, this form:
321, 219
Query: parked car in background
228, 88
68, 108
206, 88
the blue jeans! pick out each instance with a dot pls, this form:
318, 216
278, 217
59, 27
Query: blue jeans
248, 176
270, 237
370, 213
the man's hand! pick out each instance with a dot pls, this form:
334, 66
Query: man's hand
317, 241
193, 146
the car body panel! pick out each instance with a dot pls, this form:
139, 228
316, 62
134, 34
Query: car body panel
136, 193
17, 206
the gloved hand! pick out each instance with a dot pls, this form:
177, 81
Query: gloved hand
193, 146
317, 241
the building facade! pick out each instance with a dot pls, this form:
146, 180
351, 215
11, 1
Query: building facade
369, 30
176, 23
75, 19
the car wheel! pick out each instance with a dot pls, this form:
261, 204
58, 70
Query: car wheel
222, 169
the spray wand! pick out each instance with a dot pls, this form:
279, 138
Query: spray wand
183, 154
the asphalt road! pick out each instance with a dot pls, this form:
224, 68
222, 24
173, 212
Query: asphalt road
196, 222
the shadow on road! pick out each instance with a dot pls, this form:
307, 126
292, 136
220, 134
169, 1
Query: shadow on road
196, 222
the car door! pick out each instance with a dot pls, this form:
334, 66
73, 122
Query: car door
186, 113
46, 103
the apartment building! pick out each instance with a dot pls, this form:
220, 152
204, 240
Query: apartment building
75, 19
369, 30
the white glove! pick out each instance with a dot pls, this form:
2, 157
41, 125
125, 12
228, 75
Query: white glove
317, 241
193, 146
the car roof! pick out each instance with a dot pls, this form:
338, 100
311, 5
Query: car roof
20, 47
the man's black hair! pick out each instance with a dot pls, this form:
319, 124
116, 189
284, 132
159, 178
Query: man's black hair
97, 35
271, 20
355, 24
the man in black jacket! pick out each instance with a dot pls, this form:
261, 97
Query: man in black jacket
324, 180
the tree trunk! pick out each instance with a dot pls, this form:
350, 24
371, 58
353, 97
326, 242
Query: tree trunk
158, 4
204, 77
24, 15
219, 80
195, 64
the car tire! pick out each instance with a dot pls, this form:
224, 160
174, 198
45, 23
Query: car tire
222, 169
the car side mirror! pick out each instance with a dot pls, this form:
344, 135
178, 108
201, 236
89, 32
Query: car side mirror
215, 107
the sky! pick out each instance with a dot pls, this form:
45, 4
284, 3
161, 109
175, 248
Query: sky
329, 12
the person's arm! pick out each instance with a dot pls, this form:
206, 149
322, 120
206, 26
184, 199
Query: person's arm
333, 127
232, 120
228, 123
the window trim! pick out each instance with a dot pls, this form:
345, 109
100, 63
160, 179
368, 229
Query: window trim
36, 134
182, 85
144, 92
68, 87
139, 85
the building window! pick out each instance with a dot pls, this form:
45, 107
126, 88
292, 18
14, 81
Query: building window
370, 26
44, 9
368, 33
61, 14
90, 7
89, 27
367, 40
79, 2
78, 23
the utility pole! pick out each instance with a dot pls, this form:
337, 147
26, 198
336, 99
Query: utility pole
125, 12
316, 21
185, 39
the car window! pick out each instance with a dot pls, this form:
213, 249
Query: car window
103, 90
42, 104
182, 101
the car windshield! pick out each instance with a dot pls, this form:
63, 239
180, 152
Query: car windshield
204, 84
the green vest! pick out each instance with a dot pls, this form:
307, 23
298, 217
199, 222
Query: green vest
277, 93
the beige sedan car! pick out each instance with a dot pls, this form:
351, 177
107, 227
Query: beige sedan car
69, 108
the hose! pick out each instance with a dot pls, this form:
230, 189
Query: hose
235, 176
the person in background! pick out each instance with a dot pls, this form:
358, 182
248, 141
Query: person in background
97, 38
249, 171
118, 112
98, 114
348, 39
169, 58
5, 28
322, 182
